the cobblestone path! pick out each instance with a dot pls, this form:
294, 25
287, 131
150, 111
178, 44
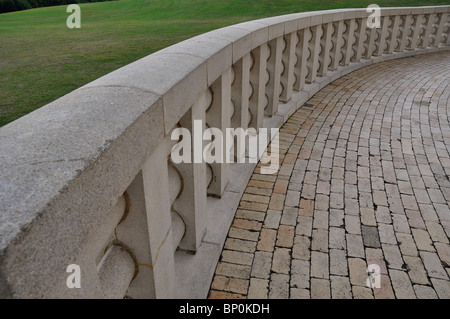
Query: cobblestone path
364, 180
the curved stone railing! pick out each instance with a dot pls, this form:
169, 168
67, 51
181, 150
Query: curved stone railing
88, 180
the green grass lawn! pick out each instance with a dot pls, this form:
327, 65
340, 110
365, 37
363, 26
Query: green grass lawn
41, 59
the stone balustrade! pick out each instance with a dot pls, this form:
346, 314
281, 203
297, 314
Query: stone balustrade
88, 178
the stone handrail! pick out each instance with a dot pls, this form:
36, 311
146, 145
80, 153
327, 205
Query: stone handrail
87, 179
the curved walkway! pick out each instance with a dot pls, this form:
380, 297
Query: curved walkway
364, 181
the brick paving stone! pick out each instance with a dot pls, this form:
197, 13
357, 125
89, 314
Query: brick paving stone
281, 262
235, 285
240, 245
402, 285
289, 216
358, 271
385, 291
297, 293
370, 236
355, 247
393, 256
237, 257
319, 265
363, 180
258, 289
279, 286
320, 219
214, 294
338, 262
337, 238
416, 270
304, 226
272, 219
368, 216
319, 240
383, 215
340, 287
300, 270
443, 251
251, 215
387, 234
442, 288
262, 264
301, 248
433, 265
267, 239
425, 292
233, 270
320, 289
401, 224
360, 292
352, 224
246, 224
422, 239
436, 232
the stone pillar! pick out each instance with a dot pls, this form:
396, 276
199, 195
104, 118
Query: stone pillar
258, 84
190, 204
381, 41
338, 41
240, 92
416, 26
425, 39
218, 115
393, 38
359, 35
325, 44
274, 68
439, 29
405, 28
347, 50
300, 69
147, 228
288, 60
314, 47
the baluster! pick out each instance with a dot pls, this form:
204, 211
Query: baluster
359, 34
381, 41
325, 43
338, 41
274, 67
190, 204
405, 29
313, 59
147, 228
370, 42
240, 92
416, 26
218, 116
425, 39
257, 74
348, 36
437, 35
393, 38
288, 59
301, 69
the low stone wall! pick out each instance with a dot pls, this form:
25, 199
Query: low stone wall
88, 179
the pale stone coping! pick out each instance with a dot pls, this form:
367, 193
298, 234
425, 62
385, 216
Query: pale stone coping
64, 166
